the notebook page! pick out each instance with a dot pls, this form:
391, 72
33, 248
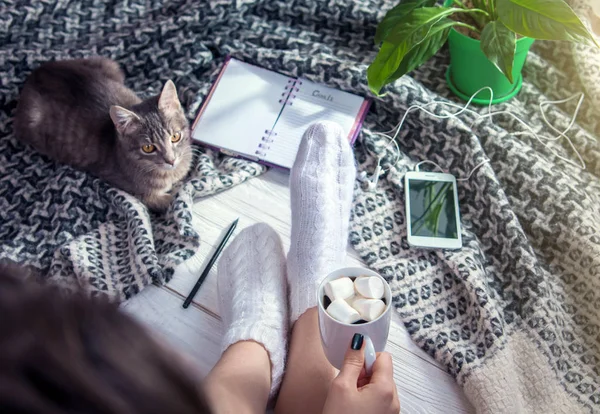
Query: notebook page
308, 103
243, 105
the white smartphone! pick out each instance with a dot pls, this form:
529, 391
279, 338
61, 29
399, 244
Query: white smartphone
433, 219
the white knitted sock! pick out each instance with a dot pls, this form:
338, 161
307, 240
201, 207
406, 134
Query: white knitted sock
321, 186
253, 295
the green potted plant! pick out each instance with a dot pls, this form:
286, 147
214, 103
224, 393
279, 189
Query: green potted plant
488, 40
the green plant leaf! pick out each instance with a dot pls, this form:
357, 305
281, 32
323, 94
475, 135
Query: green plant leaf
499, 43
543, 19
419, 43
395, 60
414, 27
386, 62
422, 52
396, 14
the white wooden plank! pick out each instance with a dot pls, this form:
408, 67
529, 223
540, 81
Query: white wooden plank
265, 199
423, 385
191, 331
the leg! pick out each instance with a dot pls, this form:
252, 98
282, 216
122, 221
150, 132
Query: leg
158, 201
308, 373
252, 293
321, 186
241, 380
321, 190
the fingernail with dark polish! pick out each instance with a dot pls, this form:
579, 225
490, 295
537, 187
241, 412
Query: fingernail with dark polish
357, 341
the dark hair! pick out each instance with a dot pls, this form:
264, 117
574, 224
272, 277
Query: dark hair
68, 353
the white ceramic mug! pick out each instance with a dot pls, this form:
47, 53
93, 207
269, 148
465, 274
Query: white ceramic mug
336, 336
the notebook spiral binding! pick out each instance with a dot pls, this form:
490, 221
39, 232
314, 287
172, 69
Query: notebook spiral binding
290, 91
265, 143
287, 98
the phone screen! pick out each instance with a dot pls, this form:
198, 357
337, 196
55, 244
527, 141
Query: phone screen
432, 209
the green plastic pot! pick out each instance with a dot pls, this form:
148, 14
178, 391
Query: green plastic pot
470, 70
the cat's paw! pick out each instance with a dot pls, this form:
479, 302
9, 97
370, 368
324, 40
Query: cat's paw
158, 202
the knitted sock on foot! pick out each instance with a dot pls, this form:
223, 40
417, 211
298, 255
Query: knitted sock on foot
253, 295
321, 186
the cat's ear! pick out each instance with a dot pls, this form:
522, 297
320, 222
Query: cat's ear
123, 118
168, 102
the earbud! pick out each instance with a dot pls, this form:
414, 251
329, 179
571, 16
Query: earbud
376, 174
370, 184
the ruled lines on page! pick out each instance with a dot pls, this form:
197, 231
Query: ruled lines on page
244, 105
309, 103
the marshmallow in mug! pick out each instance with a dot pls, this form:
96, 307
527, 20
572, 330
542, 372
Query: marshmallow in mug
356, 300
341, 288
369, 309
341, 311
370, 287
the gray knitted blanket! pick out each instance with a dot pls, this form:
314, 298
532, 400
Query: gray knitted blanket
513, 315
76, 228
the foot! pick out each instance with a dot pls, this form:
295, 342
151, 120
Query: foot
321, 185
252, 293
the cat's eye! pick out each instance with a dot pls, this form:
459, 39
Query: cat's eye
176, 137
148, 148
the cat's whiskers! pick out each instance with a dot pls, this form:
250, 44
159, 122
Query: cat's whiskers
148, 168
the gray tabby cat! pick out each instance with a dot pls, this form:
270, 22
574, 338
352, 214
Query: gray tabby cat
80, 113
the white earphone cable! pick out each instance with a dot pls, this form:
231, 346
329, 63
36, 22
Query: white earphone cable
441, 169
490, 114
428, 162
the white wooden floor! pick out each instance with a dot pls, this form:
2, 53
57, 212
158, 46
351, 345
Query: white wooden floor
423, 386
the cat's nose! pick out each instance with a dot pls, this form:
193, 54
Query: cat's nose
170, 161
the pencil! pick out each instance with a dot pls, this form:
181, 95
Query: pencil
210, 264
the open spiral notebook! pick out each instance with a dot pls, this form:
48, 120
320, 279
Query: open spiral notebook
261, 115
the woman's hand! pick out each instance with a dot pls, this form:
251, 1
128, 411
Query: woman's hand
352, 392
